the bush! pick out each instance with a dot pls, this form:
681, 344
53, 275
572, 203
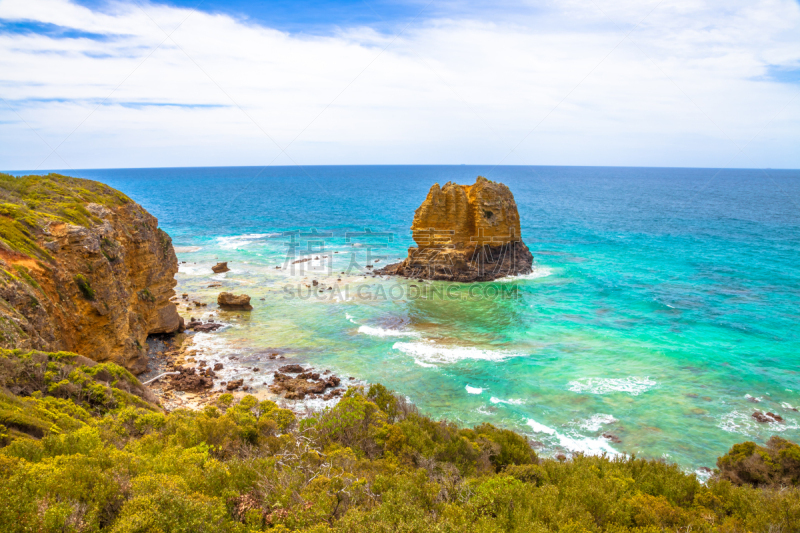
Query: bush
776, 464
371, 463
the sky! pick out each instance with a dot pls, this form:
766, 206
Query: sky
671, 83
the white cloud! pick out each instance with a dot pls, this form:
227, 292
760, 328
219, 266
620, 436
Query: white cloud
687, 87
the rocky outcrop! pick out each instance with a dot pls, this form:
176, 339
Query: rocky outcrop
466, 233
227, 300
83, 268
220, 267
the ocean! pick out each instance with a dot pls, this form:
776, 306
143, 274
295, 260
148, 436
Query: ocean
662, 310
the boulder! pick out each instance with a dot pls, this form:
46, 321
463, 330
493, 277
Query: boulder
297, 388
235, 384
189, 380
220, 267
766, 418
227, 300
466, 233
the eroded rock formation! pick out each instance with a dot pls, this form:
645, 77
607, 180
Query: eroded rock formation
466, 233
83, 268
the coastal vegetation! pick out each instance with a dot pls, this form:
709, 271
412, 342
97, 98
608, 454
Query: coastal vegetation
27, 201
83, 447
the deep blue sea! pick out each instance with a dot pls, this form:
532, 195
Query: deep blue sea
663, 309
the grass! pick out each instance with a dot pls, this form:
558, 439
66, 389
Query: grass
27, 202
71, 460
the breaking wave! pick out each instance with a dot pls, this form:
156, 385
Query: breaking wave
431, 353
631, 385
381, 332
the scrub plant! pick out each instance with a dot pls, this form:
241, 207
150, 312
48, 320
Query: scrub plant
84, 447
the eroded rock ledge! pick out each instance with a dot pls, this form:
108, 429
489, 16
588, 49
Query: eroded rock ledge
466, 233
83, 268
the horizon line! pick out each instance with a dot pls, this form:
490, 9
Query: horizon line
65, 172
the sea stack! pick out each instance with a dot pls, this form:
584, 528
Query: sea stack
466, 233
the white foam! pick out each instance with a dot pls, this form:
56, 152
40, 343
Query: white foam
597, 421
539, 272
432, 353
187, 249
540, 428
703, 475
576, 443
381, 332
586, 445
474, 390
512, 402
631, 385
235, 241
786, 405
192, 270
743, 423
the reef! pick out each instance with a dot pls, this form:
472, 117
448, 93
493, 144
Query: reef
466, 233
83, 268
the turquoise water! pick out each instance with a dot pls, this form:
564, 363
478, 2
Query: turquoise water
662, 299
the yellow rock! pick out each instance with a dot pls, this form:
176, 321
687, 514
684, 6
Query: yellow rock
466, 233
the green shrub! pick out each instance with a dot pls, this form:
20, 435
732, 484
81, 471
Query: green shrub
776, 464
73, 461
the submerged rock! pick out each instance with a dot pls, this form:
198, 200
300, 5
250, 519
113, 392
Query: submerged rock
291, 369
220, 267
466, 233
227, 300
766, 418
203, 328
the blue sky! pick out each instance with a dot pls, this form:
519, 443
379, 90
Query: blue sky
88, 84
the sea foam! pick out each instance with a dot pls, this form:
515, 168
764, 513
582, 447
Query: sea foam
631, 385
474, 390
575, 443
235, 241
743, 423
539, 272
430, 353
586, 445
382, 332
597, 421
540, 428
511, 402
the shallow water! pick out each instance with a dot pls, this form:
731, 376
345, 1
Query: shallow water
662, 299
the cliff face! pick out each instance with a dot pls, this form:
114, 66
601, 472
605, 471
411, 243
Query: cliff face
466, 233
82, 268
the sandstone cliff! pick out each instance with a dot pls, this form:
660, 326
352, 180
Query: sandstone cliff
83, 268
466, 233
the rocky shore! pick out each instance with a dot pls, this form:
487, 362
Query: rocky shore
192, 377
